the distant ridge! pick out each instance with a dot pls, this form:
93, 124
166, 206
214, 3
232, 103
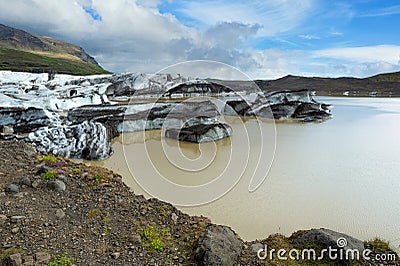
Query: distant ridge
383, 85
23, 51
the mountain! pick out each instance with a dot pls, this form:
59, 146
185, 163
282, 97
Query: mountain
22, 51
379, 85
385, 85
391, 77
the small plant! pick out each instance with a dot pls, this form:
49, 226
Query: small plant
379, 245
47, 158
99, 178
153, 238
106, 219
165, 231
49, 175
120, 238
8, 252
63, 260
156, 244
94, 213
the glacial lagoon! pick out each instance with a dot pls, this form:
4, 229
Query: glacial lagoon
342, 174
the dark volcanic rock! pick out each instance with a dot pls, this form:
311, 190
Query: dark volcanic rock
218, 245
24, 181
56, 185
200, 133
326, 238
87, 140
24, 120
12, 188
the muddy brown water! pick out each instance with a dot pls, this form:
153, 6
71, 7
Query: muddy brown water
343, 174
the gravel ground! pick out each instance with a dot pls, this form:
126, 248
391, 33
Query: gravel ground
96, 219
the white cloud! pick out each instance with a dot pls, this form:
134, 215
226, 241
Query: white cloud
133, 35
336, 33
309, 37
274, 16
338, 62
379, 53
128, 37
275, 63
62, 17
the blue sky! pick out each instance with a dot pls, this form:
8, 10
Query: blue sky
264, 39
320, 24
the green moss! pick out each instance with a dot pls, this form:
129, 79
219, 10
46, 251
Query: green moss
379, 245
15, 60
94, 213
99, 178
165, 231
63, 260
153, 238
49, 175
47, 158
9, 251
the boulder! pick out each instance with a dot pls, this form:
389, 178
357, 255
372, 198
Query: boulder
200, 132
218, 245
326, 238
42, 258
15, 259
56, 185
24, 181
13, 188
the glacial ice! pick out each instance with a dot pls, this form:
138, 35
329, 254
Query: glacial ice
77, 116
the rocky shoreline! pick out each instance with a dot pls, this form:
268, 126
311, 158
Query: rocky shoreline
53, 209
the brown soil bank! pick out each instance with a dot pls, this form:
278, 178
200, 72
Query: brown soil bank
52, 209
